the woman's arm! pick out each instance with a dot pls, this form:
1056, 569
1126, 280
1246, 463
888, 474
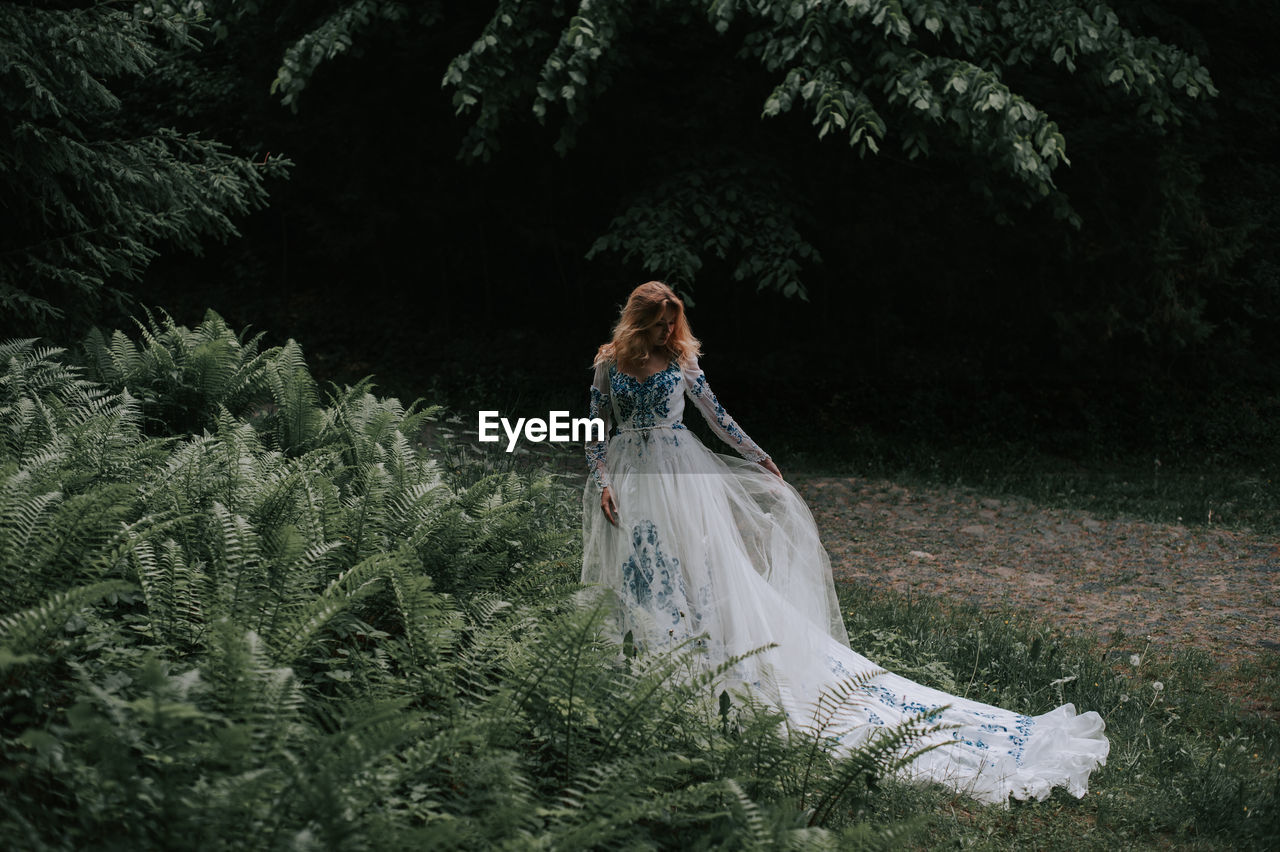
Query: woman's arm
596, 450
718, 419
600, 407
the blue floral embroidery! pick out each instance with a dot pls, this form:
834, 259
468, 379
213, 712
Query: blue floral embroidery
596, 449
1023, 725
890, 699
978, 743
642, 402
650, 575
730, 431
1018, 741
640, 439
886, 694
929, 713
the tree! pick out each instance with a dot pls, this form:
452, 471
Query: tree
904, 77
93, 189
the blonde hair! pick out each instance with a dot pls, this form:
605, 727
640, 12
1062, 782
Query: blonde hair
643, 310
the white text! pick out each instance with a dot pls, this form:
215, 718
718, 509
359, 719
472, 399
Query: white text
557, 428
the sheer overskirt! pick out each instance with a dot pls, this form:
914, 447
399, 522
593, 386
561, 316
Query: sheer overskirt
717, 551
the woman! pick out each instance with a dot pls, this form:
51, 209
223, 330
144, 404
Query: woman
723, 552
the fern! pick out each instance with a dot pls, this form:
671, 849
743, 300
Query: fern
174, 591
25, 515
183, 377
21, 631
426, 617
306, 622
115, 360
262, 700
831, 711
885, 752
85, 525
757, 837
297, 416
36, 372
602, 805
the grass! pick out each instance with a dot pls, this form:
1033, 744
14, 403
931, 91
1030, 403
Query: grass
1195, 755
1235, 493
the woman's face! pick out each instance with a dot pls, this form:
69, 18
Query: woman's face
661, 330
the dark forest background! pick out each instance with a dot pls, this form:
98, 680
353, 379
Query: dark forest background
407, 190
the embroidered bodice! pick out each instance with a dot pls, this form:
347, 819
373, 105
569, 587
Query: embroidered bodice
632, 405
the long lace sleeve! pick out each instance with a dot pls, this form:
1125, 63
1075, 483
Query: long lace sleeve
601, 408
695, 385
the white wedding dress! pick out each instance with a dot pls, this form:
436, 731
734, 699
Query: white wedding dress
717, 549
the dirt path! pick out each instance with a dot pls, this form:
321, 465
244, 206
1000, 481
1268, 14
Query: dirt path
1212, 588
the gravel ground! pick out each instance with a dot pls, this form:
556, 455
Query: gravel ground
1213, 588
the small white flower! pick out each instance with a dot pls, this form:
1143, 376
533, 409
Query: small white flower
1135, 660
1157, 686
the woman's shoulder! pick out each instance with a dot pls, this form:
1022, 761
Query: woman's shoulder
603, 368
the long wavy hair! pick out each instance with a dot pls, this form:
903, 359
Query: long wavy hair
643, 310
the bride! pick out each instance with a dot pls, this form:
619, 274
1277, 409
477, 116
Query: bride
721, 551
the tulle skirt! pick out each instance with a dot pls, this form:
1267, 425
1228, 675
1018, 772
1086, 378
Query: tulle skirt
718, 551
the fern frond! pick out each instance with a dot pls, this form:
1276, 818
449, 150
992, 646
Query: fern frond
833, 709
247, 688
297, 419
23, 630
320, 504
36, 372
16, 348
356, 764
612, 807
173, 591
757, 833
116, 361
83, 527
413, 506
31, 429
27, 525
884, 751
315, 563
603, 802
234, 547
308, 620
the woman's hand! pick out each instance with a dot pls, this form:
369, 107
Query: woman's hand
609, 506
768, 465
